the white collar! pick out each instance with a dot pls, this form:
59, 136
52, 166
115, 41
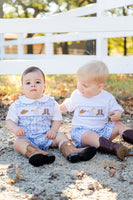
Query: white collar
24, 99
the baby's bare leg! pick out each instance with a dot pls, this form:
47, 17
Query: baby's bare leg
124, 131
21, 145
90, 138
60, 139
118, 129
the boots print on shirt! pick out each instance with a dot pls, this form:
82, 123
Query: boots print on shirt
46, 111
100, 112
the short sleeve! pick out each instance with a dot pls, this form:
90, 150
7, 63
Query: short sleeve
114, 105
12, 113
57, 113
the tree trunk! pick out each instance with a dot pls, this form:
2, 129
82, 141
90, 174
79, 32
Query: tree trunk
30, 47
90, 47
64, 48
1, 8
125, 39
125, 46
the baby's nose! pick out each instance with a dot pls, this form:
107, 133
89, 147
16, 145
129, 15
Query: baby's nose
33, 85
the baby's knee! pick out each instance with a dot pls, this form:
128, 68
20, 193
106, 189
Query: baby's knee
118, 124
16, 144
20, 141
88, 134
61, 136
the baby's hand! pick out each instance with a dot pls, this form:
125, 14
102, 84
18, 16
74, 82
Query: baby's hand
51, 134
18, 131
115, 115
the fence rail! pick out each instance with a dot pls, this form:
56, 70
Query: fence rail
73, 26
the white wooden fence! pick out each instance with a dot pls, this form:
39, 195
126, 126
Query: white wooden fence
73, 27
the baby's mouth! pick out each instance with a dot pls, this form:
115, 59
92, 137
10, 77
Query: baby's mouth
33, 90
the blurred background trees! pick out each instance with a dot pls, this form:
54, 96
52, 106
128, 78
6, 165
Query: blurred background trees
39, 8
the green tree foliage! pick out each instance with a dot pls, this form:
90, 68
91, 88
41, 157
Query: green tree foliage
124, 45
71, 4
27, 9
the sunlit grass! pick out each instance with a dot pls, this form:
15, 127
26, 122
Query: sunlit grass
120, 85
10, 84
61, 86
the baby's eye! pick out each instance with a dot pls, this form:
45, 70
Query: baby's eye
38, 82
28, 83
85, 86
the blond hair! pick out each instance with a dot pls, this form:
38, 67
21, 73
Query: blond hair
95, 71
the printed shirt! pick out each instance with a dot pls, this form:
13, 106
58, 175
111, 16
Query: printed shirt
91, 112
34, 115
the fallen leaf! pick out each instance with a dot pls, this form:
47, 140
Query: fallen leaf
121, 179
63, 91
112, 173
111, 165
111, 190
17, 177
14, 96
80, 174
11, 181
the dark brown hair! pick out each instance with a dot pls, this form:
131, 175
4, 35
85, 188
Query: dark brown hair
32, 69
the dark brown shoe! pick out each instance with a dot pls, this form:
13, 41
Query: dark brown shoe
110, 147
128, 136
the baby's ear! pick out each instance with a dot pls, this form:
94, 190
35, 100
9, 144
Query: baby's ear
22, 88
101, 86
44, 87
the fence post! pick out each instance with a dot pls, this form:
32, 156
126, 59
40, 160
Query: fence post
20, 45
101, 43
48, 44
2, 48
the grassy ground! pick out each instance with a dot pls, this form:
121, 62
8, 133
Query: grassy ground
61, 86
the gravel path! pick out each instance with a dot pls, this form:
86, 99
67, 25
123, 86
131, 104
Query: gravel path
102, 178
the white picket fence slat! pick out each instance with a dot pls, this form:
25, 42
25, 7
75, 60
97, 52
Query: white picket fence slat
83, 24
62, 64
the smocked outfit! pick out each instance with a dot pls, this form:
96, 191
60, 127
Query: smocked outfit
35, 116
91, 114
